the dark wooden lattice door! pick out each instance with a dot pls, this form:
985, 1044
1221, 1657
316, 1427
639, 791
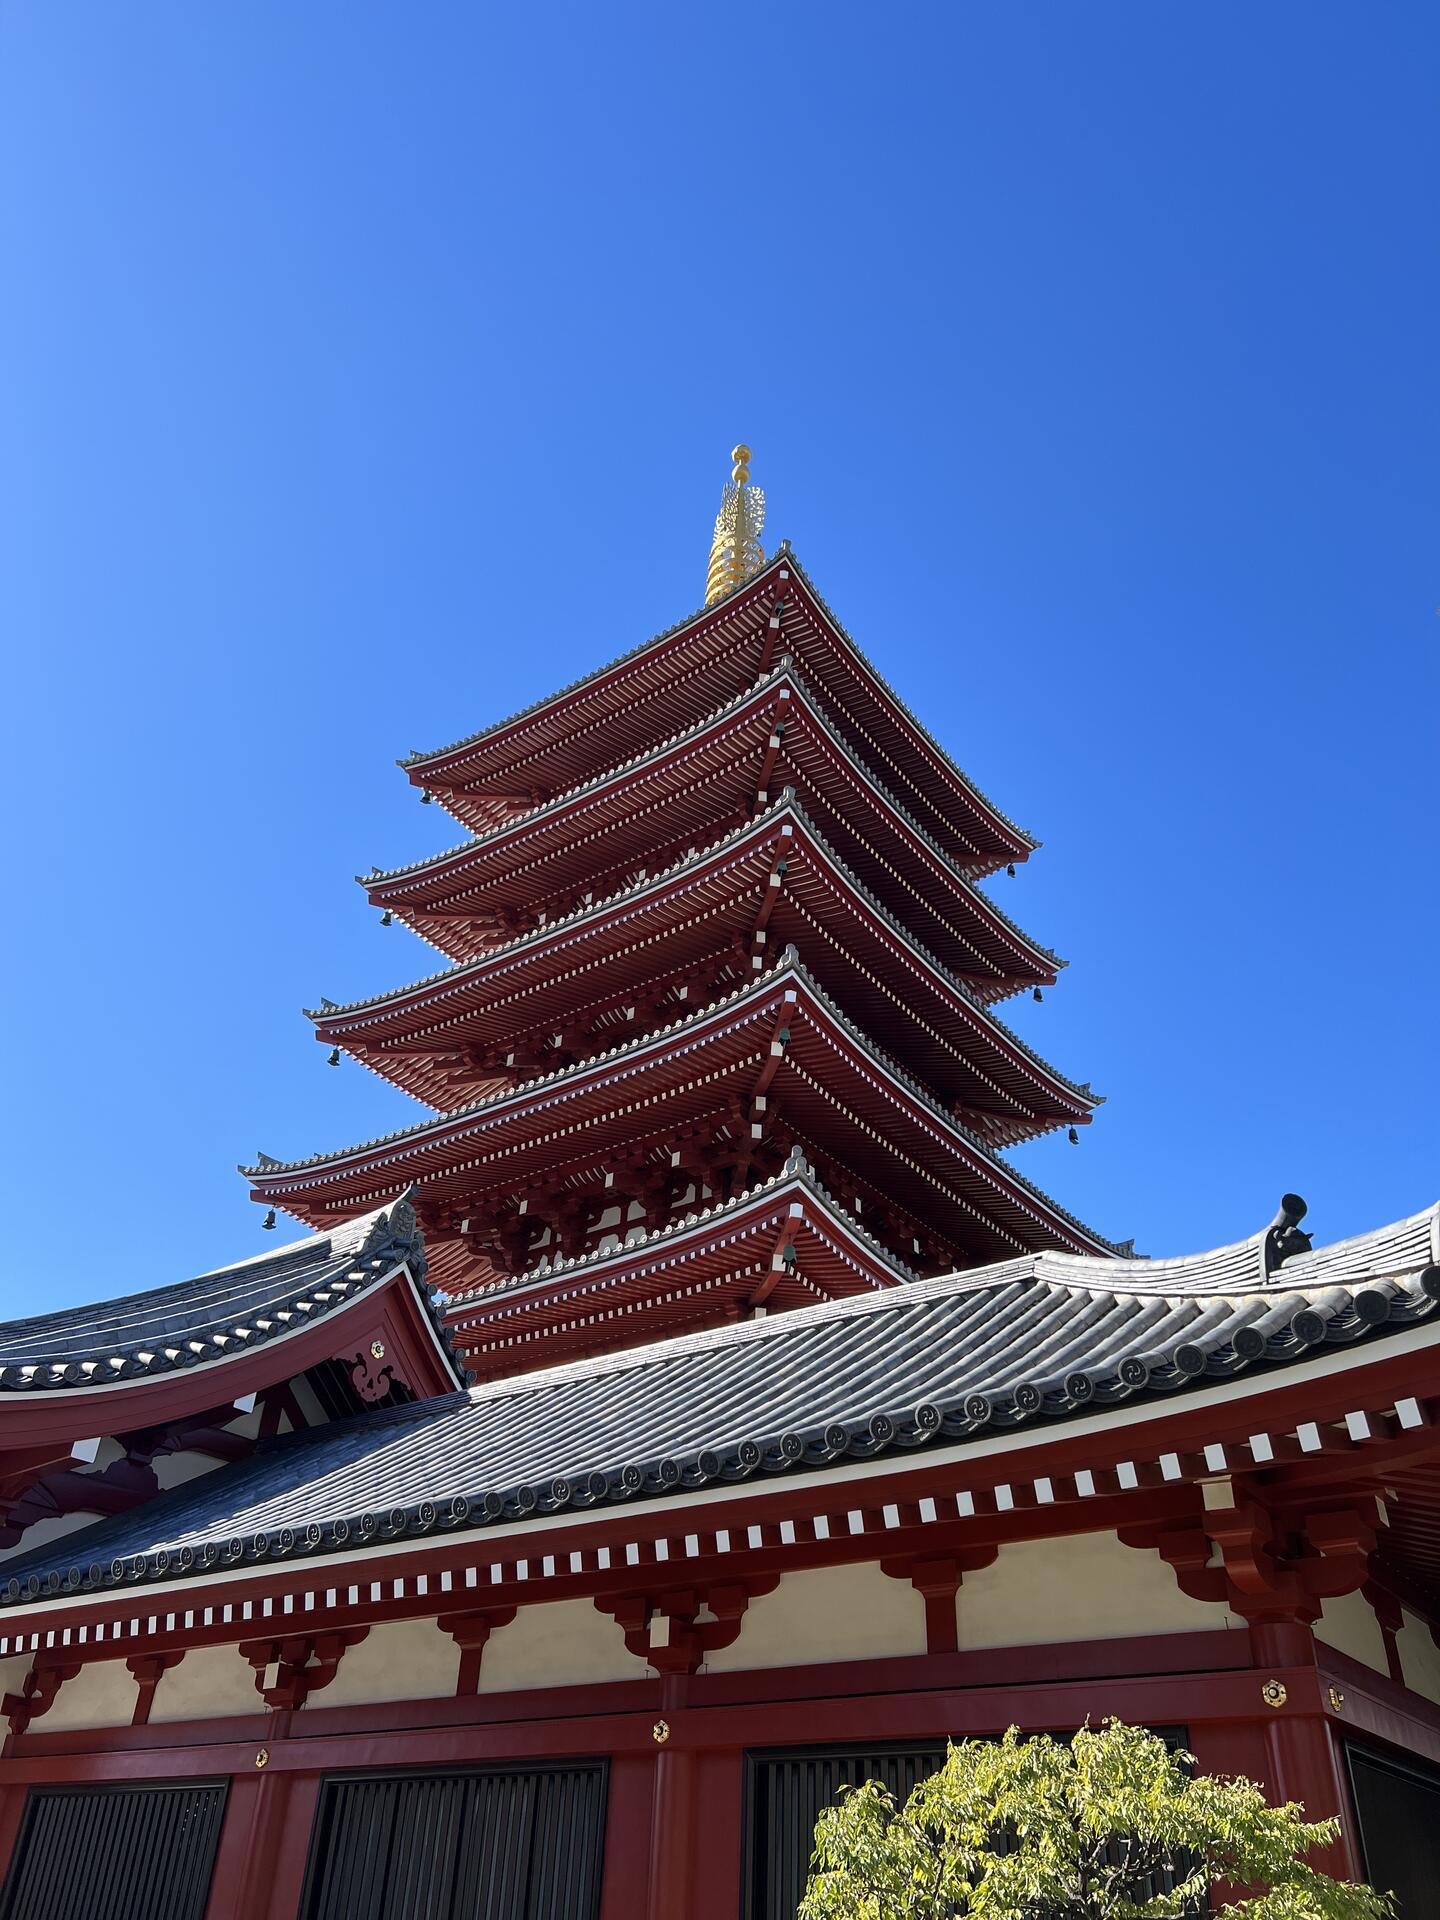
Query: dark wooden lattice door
1397, 1804
115, 1853
521, 1844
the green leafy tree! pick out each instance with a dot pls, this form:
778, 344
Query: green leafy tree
1113, 1825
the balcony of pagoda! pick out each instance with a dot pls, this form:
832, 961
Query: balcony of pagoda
645, 958
640, 817
779, 1054
784, 1244
672, 683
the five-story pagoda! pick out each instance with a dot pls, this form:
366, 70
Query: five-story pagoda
718, 1037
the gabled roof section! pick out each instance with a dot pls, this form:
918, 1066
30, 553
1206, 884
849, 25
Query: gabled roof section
683, 671
217, 1317
940, 1362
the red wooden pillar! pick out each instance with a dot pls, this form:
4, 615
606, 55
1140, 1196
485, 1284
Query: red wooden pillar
672, 1819
264, 1843
718, 1839
627, 1837
1300, 1753
12, 1809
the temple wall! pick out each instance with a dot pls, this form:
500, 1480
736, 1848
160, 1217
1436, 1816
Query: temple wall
44, 1531
562, 1643
1088, 1587
209, 1682
398, 1660
827, 1613
102, 1694
1349, 1624
174, 1469
1419, 1658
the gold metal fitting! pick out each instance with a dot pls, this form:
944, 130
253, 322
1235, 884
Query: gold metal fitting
1274, 1693
1336, 1699
377, 1349
736, 554
660, 1732
262, 1758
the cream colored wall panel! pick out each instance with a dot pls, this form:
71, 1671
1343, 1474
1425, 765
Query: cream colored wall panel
563, 1643
827, 1613
1349, 1623
1419, 1658
1090, 1586
210, 1682
102, 1694
399, 1660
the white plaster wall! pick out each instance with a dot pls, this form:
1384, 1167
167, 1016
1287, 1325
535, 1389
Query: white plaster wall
13, 1672
1090, 1586
44, 1531
102, 1694
210, 1682
827, 1613
398, 1660
174, 1469
1419, 1658
1349, 1623
561, 1643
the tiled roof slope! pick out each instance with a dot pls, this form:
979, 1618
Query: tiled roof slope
215, 1316
1040, 1337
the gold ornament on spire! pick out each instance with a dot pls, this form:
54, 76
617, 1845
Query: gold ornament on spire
735, 553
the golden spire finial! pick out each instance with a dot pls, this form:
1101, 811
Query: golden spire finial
735, 551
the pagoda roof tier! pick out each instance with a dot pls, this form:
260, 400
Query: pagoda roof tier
1025, 1381
774, 880
784, 1244
670, 682
684, 793
781, 1041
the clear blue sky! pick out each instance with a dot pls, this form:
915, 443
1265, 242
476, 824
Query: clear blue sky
370, 370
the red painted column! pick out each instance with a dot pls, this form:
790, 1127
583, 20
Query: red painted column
12, 1810
265, 1842
719, 1838
672, 1818
1300, 1753
627, 1837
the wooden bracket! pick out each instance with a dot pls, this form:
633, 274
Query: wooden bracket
673, 1631
470, 1632
288, 1671
937, 1578
37, 1694
148, 1669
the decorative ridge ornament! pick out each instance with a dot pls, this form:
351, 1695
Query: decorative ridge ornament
736, 554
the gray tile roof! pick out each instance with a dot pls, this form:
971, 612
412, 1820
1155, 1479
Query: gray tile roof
1025, 1342
214, 1317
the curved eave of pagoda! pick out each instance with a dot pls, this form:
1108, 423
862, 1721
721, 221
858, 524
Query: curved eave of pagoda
399, 1035
996, 1381
910, 749
782, 1245
176, 1351
324, 1183
438, 895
